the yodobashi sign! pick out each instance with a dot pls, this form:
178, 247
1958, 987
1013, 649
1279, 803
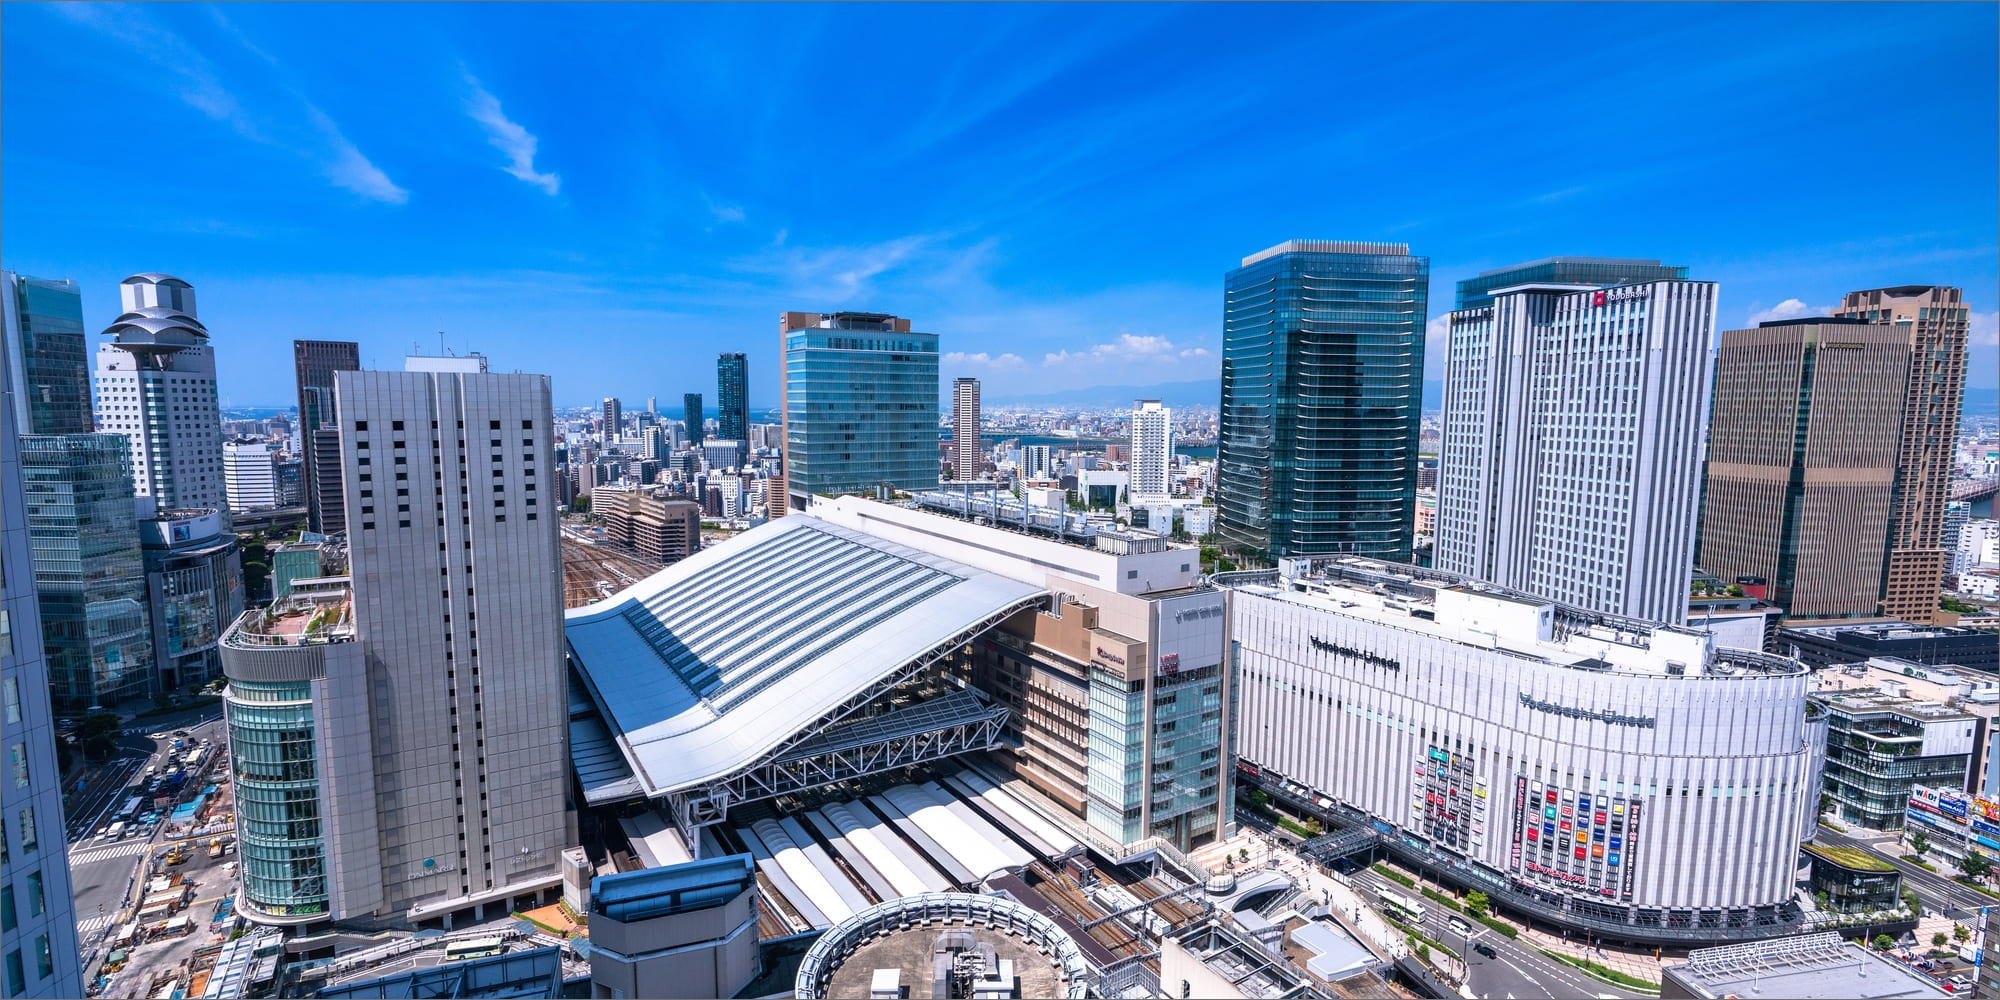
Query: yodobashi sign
1170, 664
1107, 655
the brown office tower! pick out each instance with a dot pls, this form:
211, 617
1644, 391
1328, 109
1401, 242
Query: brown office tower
315, 362
662, 529
1932, 319
1802, 461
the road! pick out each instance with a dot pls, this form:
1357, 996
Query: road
1517, 968
103, 872
1934, 890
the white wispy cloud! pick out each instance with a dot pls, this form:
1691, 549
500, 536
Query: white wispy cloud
840, 274
1788, 309
725, 212
1128, 347
1983, 329
197, 81
981, 360
508, 137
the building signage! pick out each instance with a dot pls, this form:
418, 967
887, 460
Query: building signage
1608, 718
1363, 655
1631, 847
1623, 293
1520, 815
1845, 347
1197, 614
1170, 664
1105, 654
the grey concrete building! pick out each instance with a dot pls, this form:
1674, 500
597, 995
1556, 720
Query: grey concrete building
683, 930
38, 948
446, 474
435, 754
194, 589
315, 361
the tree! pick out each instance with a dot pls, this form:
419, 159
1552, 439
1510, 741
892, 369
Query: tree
1920, 843
1476, 903
1961, 933
1976, 865
1884, 942
1938, 939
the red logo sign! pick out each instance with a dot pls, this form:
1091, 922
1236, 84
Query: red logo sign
1597, 299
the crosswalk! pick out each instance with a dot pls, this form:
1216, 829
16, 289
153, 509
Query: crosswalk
93, 855
89, 926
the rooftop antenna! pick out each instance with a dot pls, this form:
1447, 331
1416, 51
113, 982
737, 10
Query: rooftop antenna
442, 350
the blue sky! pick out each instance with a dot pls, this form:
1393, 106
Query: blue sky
612, 194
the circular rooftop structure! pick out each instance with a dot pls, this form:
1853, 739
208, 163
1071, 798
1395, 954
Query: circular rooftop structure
991, 946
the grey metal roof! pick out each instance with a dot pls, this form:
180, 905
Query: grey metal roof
708, 665
155, 278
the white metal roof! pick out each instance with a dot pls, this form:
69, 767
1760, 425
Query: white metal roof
703, 668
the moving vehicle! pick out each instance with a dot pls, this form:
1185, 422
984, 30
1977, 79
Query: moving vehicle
1402, 907
475, 948
215, 847
1485, 949
1459, 927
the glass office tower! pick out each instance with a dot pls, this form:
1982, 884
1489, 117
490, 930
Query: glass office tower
732, 398
1322, 383
52, 362
861, 405
89, 569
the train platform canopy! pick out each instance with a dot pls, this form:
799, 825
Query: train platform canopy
739, 655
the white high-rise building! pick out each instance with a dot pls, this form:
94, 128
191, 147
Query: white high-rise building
967, 460
1575, 431
155, 384
38, 952
250, 475
1978, 546
1152, 449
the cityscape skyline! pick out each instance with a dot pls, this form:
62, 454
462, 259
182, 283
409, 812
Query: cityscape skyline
1022, 292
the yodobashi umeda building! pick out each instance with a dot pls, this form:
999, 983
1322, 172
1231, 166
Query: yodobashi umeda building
1618, 776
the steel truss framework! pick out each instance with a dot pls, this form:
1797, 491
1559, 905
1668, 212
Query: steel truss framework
786, 769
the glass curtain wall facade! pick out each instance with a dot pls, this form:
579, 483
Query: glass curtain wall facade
1117, 755
695, 417
272, 749
732, 397
51, 370
314, 362
89, 569
861, 406
1322, 387
38, 940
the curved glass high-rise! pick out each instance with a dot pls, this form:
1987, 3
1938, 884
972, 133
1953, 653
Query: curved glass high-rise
1322, 384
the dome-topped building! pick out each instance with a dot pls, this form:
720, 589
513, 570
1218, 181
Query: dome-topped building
155, 384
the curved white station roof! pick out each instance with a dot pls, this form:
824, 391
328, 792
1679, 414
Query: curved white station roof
705, 667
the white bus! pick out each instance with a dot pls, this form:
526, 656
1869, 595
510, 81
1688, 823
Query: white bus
1402, 907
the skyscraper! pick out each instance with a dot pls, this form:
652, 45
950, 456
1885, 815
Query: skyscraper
443, 744
1933, 318
967, 458
194, 589
1322, 385
51, 379
1573, 442
1474, 293
614, 419
732, 398
156, 386
39, 956
693, 416
1802, 461
88, 568
861, 405
314, 362
1152, 450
